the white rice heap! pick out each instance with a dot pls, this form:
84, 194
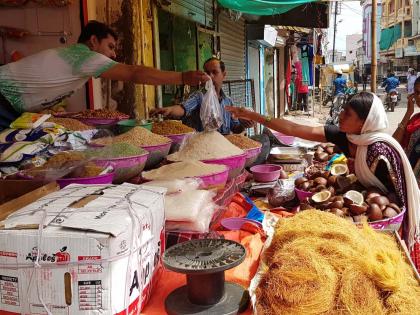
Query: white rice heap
205, 146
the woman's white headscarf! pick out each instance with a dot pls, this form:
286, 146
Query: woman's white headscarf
373, 131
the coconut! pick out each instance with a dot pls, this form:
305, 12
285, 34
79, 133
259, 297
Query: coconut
321, 196
354, 196
339, 169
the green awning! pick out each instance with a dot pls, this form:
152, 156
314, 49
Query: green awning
389, 36
262, 7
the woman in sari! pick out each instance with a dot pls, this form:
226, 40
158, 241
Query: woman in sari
380, 161
408, 131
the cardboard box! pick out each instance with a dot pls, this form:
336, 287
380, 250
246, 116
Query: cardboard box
99, 251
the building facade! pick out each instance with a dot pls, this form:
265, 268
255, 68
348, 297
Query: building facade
351, 47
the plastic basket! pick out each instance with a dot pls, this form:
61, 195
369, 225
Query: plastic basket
125, 167
156, 154
235, 163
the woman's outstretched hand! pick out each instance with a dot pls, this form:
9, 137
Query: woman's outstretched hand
240, 112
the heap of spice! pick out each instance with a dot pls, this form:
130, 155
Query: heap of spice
115, 150
170, 127
70, 123
101, 114
243, 142
137, 136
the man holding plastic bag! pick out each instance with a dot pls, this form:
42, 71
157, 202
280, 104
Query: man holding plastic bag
205, 110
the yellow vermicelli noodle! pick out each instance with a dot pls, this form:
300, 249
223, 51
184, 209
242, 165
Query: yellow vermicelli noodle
319, 263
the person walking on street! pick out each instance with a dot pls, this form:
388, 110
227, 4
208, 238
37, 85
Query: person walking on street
411, 78
364, 80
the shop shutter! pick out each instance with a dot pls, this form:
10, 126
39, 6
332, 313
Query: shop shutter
232, 46
200, 11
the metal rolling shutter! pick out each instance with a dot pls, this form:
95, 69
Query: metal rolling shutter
200, 11
232, 46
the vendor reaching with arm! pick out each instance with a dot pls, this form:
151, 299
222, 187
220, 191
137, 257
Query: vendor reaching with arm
189, 111
42, 80
380, 160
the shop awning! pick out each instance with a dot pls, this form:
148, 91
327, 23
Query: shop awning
389, 36
262, 7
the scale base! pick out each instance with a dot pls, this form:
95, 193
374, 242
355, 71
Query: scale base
234, 301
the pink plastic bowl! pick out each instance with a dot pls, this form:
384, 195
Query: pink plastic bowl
101, 179
177, 140
216, 180
251, 156
235, 163
157, 154
266, 172
302, 194
288, 140
125, 167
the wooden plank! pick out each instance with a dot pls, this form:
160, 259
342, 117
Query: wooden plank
13, 205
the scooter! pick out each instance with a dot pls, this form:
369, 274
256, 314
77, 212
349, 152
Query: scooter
391, 100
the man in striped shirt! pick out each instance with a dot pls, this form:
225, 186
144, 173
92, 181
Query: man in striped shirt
189, 111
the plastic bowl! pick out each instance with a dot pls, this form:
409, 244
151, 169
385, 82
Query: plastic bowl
252, 156
156, 154
266, 172
124, 167
391, 224
100, 179
98, 121
127, 124
177, 140
287, 140
235, 164
214, 181
302, 194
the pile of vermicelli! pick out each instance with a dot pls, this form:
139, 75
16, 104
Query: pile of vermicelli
319, 263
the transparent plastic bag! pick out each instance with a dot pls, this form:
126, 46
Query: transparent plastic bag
210, 111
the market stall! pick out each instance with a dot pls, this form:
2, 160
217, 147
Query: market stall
164, 212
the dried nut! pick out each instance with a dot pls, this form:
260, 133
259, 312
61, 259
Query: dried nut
319, 150
325, 174
339, 198
380, 201
389, 213
337, 212
395, 207
313, 190
320, 187
339, 169
374, 212
304, 186
331, 189
311, 183
329, 150
374, 190
323, 157
300, 181
345, 210
372, 195
324, 206
356, 209
320, 181
337, 204
332, 180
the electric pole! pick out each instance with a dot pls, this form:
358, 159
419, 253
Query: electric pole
335, 28
373, 57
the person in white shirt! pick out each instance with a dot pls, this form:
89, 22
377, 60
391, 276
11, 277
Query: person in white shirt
411, 78
44, 79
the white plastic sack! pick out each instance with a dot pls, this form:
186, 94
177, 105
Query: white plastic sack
174, 186
210, 111
200, 225
186, 206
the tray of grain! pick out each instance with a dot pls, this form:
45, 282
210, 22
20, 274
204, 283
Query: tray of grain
211, 147
174, 130
127, 160
70, 123
212, 176
158, 146
251, 147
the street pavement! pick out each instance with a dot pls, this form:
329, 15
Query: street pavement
394, 118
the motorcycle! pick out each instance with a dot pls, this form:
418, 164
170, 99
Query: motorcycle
391, 100
337, 106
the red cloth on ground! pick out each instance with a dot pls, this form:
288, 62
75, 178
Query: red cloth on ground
241, 274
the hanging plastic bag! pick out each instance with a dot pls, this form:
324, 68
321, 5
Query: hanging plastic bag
210, 111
